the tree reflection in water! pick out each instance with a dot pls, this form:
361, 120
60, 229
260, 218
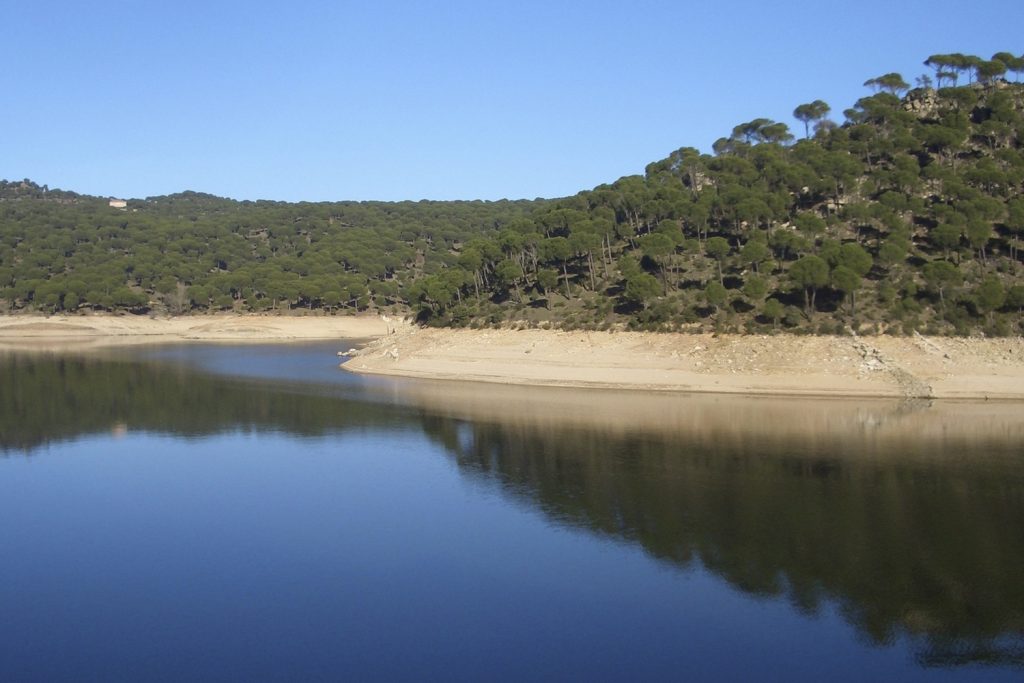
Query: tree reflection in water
906, 516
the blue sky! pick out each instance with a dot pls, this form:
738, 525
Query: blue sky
440, 100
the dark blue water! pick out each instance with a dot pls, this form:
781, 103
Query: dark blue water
253, 513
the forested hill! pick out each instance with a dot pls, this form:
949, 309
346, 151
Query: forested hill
906, 216
194, 252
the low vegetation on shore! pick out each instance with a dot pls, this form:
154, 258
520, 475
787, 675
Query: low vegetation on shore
906, 217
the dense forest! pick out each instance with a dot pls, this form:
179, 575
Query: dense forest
907, 216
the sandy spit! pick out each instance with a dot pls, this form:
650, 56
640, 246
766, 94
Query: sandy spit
900, 367
62, 333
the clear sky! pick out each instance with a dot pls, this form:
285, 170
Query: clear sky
439, 100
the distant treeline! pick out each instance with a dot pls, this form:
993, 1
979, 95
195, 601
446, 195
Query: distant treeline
193, 252
908, 216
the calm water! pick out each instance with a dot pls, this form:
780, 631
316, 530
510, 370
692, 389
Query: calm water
254, 513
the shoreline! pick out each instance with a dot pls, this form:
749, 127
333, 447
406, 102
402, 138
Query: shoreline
750, 365
86, 332
756, 365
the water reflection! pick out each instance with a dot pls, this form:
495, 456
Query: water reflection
908, 516
927, 548
46, 399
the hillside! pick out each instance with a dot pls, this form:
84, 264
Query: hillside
906, 217
193, 252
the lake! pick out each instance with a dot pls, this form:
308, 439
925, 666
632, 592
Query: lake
203, 512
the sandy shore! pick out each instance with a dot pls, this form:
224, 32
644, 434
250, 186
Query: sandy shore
61, 333
916, 367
